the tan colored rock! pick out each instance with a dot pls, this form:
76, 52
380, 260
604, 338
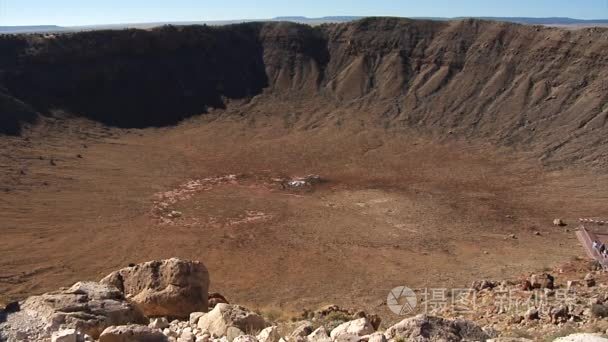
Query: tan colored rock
88, 307
223, 316
132, 333
357, 327
170, 287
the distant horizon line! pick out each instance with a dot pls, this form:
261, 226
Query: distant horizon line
524, 20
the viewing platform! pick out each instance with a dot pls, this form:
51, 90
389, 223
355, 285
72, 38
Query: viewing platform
593, 230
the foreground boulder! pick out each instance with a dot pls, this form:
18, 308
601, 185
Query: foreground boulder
87, 307
429, 328
225, 316
170, 287
132, 333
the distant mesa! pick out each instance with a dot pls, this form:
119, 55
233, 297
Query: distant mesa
549, 21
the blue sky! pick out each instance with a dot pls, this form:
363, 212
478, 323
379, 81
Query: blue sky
88, 12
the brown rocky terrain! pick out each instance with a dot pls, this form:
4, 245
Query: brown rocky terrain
445, 150
541, 307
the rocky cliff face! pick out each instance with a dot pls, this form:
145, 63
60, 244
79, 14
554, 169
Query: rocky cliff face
512, 84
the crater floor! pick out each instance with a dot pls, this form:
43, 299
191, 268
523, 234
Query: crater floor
397, 208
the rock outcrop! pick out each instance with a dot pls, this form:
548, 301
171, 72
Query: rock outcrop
87, 307
170, 287
90, 310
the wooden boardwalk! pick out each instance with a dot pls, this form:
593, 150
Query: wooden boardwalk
586, 237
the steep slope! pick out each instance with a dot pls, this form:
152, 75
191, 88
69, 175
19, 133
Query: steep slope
540, 88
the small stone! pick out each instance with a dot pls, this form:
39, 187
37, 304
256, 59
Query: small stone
589, 280
159, 323
532, 314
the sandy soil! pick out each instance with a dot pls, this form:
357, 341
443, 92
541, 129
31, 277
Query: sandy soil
397, 208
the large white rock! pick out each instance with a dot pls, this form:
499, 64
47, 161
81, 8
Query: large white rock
357, 327
582, 338
170, 287
270, 334
224, 316
87, 307
132, 333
